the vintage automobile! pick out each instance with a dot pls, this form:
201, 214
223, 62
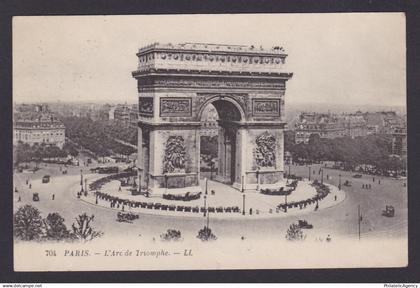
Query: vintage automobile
347, 183
35, 197
389, 211
305, 225
357, 176
46, 179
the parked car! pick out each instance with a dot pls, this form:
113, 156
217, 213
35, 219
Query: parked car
389, 211
46, 179
357, 176
305, 225
35, 197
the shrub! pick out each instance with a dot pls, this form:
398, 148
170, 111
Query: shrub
171, 235
294, 233
205, 234
82, 228
27, 223
55, 227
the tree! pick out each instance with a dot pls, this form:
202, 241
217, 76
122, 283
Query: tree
55, 227
171, 235
294, 233
205, 234
82, 228
27, 223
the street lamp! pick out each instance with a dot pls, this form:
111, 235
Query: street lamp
81, 180
309, 173
339, 181
86, 189
211, 169
243, 204
205, 208
206, 185
285, 203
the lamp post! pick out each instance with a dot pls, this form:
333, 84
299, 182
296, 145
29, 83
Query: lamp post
86, 189
166, 183
211, 169
242, 186
285, 203
205, 208
309, 173
243, 204
322, 176
258, 178
206, 185
339, 181
81, 180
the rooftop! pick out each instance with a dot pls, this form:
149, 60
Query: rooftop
207, 47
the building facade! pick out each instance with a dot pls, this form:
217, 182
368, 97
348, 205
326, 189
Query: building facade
37, 126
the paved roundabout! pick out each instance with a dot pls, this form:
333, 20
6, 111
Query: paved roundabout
222, 201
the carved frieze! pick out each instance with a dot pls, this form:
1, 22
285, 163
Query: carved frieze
146, 106
265, 151
180, 107
144, 84
175, 155
266, 107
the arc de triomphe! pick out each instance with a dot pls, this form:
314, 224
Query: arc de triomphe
245, 84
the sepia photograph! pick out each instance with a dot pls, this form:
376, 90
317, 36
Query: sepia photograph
209, 141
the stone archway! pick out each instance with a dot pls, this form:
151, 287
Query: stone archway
230, 113
175, 84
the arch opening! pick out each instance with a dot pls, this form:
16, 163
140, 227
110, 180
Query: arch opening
219, 145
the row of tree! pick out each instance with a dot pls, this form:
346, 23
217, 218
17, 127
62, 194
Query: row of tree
29, 225
26, 153
100, 137
374, 150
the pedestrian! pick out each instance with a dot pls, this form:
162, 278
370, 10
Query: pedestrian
119, 189
53, 196
373, 179
16, 190
328, 239
19, 199
379, 181
363, 186
335, 197
27, 181
30, 186
250, 211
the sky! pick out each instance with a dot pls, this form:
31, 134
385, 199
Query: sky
351, 58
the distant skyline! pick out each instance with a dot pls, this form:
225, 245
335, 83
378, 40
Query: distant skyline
356, 59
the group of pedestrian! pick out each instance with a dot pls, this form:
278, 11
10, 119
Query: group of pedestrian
366, 186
